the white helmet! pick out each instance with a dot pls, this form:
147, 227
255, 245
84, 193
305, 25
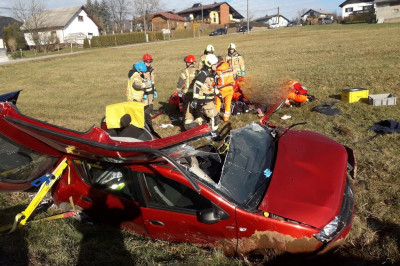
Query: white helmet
210, 48
211, 59
232, 46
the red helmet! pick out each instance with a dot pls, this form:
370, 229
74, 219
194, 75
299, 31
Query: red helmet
190, 59
147, 57
174, 99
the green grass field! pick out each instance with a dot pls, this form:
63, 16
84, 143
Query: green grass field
73, 91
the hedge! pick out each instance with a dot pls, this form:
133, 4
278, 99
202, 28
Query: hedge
124, 39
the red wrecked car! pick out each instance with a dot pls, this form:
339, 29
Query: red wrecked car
262, 187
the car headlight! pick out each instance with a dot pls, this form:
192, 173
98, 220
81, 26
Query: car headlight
328, 231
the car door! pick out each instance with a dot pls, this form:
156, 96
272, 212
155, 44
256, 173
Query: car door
105, 192
170, 212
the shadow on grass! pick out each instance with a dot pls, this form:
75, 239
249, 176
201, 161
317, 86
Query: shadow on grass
335, 96
173, 113
104, 244
332, 258
13, 247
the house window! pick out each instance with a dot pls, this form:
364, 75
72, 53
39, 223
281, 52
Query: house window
349, 9
80, 18
215, 18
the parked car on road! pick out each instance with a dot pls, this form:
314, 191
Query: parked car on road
220, 31
244, 28
325, 21
263, 186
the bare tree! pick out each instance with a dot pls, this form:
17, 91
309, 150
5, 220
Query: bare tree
31, 12
119, 9
300, 13
146, 7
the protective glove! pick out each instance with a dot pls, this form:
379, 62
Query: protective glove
149, 83
145, 96
180, 95
193, 104
155, 94
243, 73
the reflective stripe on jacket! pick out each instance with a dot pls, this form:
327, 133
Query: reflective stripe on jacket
135, 88
225, 76
185, 82
236, 61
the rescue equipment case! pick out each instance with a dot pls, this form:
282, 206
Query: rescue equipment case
382, 99
354, 95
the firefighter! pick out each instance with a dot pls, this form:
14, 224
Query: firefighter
150, 91
209, 50
137, 84
225, 82
202, 105
236, 61
184, 87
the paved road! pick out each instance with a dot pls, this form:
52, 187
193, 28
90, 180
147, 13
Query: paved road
37, 58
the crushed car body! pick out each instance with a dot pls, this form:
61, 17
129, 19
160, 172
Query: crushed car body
261, 187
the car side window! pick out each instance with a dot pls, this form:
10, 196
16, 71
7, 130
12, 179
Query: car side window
165, 193
109, 177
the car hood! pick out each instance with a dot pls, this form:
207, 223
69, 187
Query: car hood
308, 179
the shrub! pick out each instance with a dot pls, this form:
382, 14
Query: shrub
86, 43
360, 18
17, 55
13, 32
117, 39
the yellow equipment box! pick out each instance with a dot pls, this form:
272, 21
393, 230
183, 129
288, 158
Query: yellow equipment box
354, 95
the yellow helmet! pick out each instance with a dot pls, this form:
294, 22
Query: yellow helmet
232, 46
211, 59
210, 48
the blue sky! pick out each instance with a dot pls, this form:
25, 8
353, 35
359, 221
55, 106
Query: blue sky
257, 8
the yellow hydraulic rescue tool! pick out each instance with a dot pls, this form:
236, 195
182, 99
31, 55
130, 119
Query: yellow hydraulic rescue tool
46, 181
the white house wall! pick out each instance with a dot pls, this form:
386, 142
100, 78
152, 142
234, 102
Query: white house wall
87, 26
387, 13
274, 20
356, 7
75, 26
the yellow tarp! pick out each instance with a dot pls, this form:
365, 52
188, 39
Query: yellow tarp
114, 112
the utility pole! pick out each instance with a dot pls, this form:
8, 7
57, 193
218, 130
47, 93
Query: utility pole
248, 19
278, 17
144, 20
202, 19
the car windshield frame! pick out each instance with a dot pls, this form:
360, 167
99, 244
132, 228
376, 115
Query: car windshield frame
246, 175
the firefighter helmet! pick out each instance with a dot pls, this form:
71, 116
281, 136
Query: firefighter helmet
147, 57
140, 67
174, 99
211, 59
210, 49
190, 59
232, 46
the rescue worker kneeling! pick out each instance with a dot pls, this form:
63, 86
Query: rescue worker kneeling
225, 81
202, 106
297, 93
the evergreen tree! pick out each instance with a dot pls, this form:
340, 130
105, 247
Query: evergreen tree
13, 32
